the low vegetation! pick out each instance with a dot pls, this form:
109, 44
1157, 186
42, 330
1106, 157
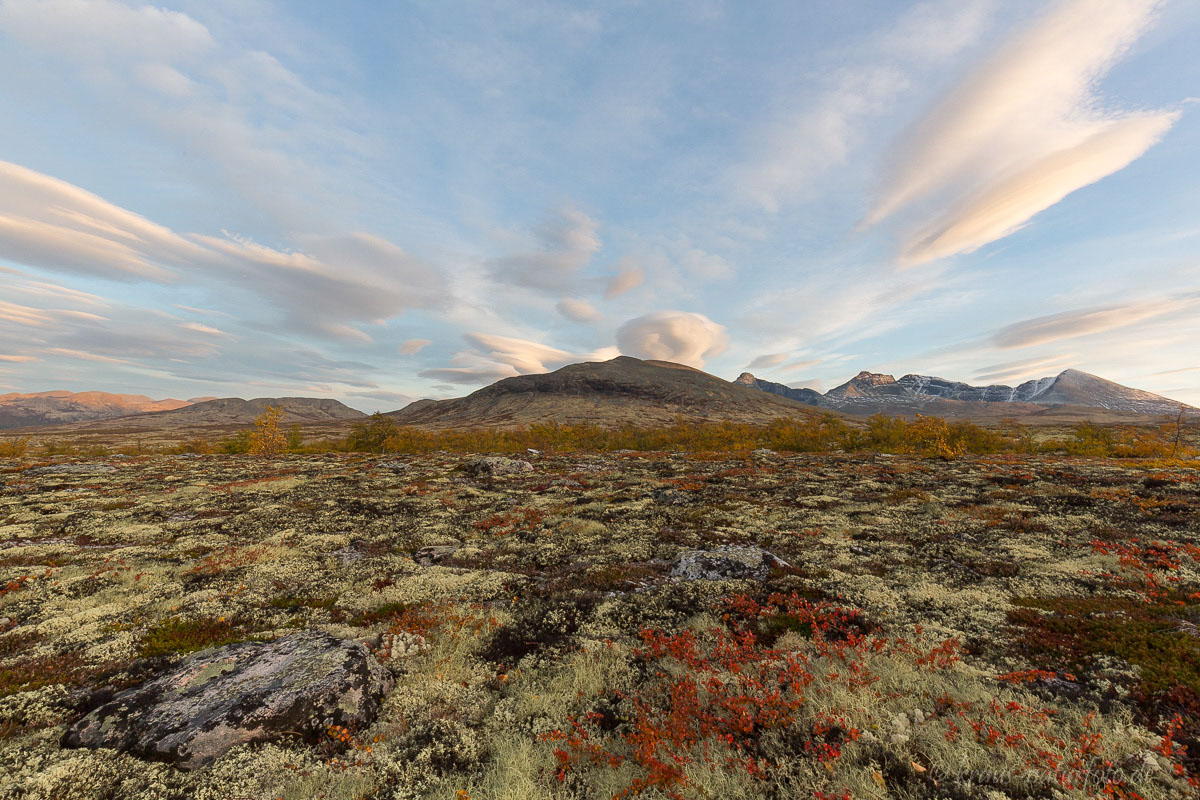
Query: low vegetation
940, 623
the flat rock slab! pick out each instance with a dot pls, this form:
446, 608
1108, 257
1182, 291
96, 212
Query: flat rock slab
248, 692
725, 563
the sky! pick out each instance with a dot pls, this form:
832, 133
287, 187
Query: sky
381, 202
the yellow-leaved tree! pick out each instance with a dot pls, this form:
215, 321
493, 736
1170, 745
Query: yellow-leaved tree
268, 439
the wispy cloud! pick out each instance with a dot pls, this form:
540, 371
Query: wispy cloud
410, 347
578, 310
1021, 131
1083, 322
767, 360
565, 243
1011, 371
631, 276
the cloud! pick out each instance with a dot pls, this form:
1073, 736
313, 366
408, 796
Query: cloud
578, 310
92, 31
86, 356
470, 375
493, 357
795, 149
1006, 206
1083, 322
201, 328
630, 277
1021, 131
566, 241
397, 399
19, 359
768, 360
796, 366
528, 357
680, 336
50, 224
1015, 371
262, 133
410, 347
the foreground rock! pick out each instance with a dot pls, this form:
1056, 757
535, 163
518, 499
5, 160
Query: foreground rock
248, 692
725, 563
496, 465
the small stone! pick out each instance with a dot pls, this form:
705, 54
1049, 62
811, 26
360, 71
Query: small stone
436, 553
395, 466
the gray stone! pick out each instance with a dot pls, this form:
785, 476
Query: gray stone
489, 466
434, 554
71, 469
668, 496
395, 466
725, 563
216, 699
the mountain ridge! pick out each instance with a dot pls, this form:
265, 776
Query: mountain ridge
881, 391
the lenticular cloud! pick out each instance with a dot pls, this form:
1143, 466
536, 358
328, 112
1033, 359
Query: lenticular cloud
1021, 132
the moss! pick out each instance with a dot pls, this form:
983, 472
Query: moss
175, 635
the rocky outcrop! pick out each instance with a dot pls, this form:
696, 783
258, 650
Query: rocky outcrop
807, 396
214, 700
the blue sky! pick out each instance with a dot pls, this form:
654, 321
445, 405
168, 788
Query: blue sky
384, 201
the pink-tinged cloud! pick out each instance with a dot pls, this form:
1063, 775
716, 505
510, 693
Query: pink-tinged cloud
680, 336
1021, 132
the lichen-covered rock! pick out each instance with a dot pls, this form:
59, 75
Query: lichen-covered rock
489, 466
241, 693
725, 563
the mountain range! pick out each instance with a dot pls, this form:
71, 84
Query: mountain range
873, 392
622, 391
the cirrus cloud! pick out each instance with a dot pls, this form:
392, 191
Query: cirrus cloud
1022, 131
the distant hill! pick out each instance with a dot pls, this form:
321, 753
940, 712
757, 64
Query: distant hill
872, 392
622, 391
58, 407
227, 411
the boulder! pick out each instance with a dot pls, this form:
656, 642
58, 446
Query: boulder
725, 563
216, 699
490, 466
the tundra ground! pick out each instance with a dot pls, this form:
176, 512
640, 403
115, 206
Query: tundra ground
1020, 627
